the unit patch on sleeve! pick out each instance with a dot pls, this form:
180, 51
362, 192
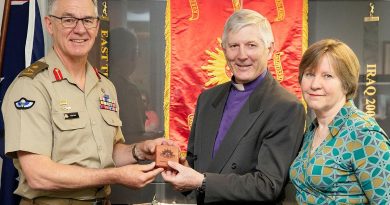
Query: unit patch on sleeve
24, 104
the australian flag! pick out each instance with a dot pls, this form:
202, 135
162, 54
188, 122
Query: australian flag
24, 45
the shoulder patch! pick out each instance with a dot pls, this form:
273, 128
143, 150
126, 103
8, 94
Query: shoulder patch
24, 104
33, 69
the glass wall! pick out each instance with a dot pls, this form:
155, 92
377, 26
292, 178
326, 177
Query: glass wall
137, 69
136, 64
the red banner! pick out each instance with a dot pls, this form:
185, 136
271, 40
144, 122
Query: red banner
194, 57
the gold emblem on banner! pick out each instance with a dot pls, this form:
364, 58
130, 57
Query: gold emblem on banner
190, 119
104, 15
280, 9
217, 69
237, 4
371, 18
194, 10
278, 66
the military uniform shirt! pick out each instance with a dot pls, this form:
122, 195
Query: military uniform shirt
351, 166
59, 120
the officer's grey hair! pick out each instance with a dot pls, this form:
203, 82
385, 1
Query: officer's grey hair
246, 17
52, 4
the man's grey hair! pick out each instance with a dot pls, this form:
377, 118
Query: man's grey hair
52, 4
246, 17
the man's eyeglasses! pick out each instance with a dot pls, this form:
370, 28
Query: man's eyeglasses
71, 22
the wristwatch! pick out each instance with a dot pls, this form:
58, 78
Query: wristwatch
133, 152
202, 187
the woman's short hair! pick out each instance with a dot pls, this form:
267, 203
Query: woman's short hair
342, 59
246, 17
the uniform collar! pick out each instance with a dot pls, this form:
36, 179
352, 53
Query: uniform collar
55, 63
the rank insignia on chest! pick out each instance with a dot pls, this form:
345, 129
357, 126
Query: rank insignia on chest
24, 104
64, 105
106, 103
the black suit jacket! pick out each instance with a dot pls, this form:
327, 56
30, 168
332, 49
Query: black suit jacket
252, 163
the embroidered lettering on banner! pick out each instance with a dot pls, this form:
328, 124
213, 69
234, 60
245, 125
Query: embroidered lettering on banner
104, 52
104, 33
194, 10
281, 12
278, 66
370, 91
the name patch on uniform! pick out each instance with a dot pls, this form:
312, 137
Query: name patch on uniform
24, 104
71, 115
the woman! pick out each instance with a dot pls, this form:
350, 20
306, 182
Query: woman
345, 156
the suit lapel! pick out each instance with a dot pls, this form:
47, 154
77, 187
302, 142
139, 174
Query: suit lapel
248, 115
214, 116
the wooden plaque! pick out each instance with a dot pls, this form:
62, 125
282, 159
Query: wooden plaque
165, 153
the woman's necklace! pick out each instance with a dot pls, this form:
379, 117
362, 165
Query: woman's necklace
319, 137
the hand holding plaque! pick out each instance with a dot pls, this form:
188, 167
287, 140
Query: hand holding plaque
165, 153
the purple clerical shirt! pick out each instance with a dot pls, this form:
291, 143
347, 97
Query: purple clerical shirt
238, 95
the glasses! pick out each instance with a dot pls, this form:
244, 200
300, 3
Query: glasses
71, 22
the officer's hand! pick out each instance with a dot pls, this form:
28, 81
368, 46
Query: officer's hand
147, 148
182, 178
137, 175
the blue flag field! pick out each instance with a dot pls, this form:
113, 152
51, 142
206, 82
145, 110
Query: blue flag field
24, 45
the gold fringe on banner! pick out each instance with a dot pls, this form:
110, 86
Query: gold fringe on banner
167, 89
305, 36
305, 30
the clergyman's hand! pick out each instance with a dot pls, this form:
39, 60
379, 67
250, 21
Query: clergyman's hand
183, 161
182, 178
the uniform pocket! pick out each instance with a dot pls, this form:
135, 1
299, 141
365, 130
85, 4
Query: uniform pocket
111, 118
70, 121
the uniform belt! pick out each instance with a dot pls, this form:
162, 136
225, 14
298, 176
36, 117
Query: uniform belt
62, 201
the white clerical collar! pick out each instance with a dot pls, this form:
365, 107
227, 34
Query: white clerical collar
250, 85
239, 87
